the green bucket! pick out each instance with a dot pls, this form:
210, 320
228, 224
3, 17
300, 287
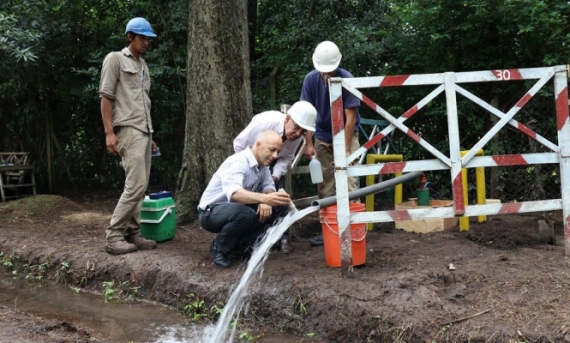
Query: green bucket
423, 197
158, 219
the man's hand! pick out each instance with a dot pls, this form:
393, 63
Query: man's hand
111, 142
154, 147
276, 199
350, 163
309, 152
264, 212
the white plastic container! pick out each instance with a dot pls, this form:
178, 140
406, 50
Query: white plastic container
315, 170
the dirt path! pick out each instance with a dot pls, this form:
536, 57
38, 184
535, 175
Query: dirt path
506, 285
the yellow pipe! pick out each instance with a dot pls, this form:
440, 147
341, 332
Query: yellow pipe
398, 189
480, 188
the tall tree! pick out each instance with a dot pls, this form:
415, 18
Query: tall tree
218, 94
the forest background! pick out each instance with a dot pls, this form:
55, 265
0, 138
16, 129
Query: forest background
51, 53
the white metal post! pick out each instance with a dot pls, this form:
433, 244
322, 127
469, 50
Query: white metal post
563, 126
454, 148
341, 179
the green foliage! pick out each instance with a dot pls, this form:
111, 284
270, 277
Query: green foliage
56, 82
51, 53
299, 306
15, 42
114, 291
63, 273
244, 336
9, 262
196, 308
38, 271
287, 34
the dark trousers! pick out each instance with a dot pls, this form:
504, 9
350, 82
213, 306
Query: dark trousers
237, 225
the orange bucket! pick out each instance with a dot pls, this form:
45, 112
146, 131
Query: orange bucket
331, 238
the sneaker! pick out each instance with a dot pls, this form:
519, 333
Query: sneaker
120, 247
141, 243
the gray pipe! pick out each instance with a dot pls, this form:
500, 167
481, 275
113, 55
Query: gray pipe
325, 202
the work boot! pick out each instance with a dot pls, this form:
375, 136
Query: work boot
220, 259
286, 247
141, 242
316, 240
120, 247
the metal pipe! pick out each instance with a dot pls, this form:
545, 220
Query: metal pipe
325, 202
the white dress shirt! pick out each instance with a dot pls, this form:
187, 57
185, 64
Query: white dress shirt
239, 171
269, 120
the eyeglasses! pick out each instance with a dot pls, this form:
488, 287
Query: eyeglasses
298, 128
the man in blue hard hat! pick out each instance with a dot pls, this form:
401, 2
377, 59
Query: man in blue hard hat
125, 108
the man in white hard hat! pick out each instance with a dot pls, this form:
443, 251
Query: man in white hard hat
326, 60
125, 108
300, 118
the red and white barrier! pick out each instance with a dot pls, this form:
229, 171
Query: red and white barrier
453, 161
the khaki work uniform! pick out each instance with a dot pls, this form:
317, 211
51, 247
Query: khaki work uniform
126, 83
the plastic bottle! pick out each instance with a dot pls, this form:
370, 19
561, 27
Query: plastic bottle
315, 170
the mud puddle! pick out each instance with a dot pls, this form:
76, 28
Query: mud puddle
116, 321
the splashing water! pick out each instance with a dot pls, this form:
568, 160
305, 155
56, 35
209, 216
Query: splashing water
253, 271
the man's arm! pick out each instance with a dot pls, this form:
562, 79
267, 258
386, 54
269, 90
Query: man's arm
307, 95
309, 148
109, 75
350, 115
272, 198
107, 114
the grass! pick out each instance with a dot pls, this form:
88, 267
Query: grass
38, 205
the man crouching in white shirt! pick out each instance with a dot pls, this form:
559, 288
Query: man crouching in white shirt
292, 127
241, 200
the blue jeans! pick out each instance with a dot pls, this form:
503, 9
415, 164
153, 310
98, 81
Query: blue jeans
237, 225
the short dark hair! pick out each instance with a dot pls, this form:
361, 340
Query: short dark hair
127, 36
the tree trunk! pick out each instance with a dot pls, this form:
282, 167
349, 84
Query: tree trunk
218, 96
252, 24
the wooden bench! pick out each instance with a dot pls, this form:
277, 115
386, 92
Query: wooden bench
14, 168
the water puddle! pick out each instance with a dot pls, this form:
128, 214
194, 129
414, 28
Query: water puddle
118, 321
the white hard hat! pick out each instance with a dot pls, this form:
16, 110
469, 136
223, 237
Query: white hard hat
303, 114
326, 57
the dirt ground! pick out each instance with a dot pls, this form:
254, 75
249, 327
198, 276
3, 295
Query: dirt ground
26, 328
507, 286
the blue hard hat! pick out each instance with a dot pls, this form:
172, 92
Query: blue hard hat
140, 26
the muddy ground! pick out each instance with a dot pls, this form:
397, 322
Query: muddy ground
507, 286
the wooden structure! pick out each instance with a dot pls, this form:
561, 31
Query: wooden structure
14, 170
425, 225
